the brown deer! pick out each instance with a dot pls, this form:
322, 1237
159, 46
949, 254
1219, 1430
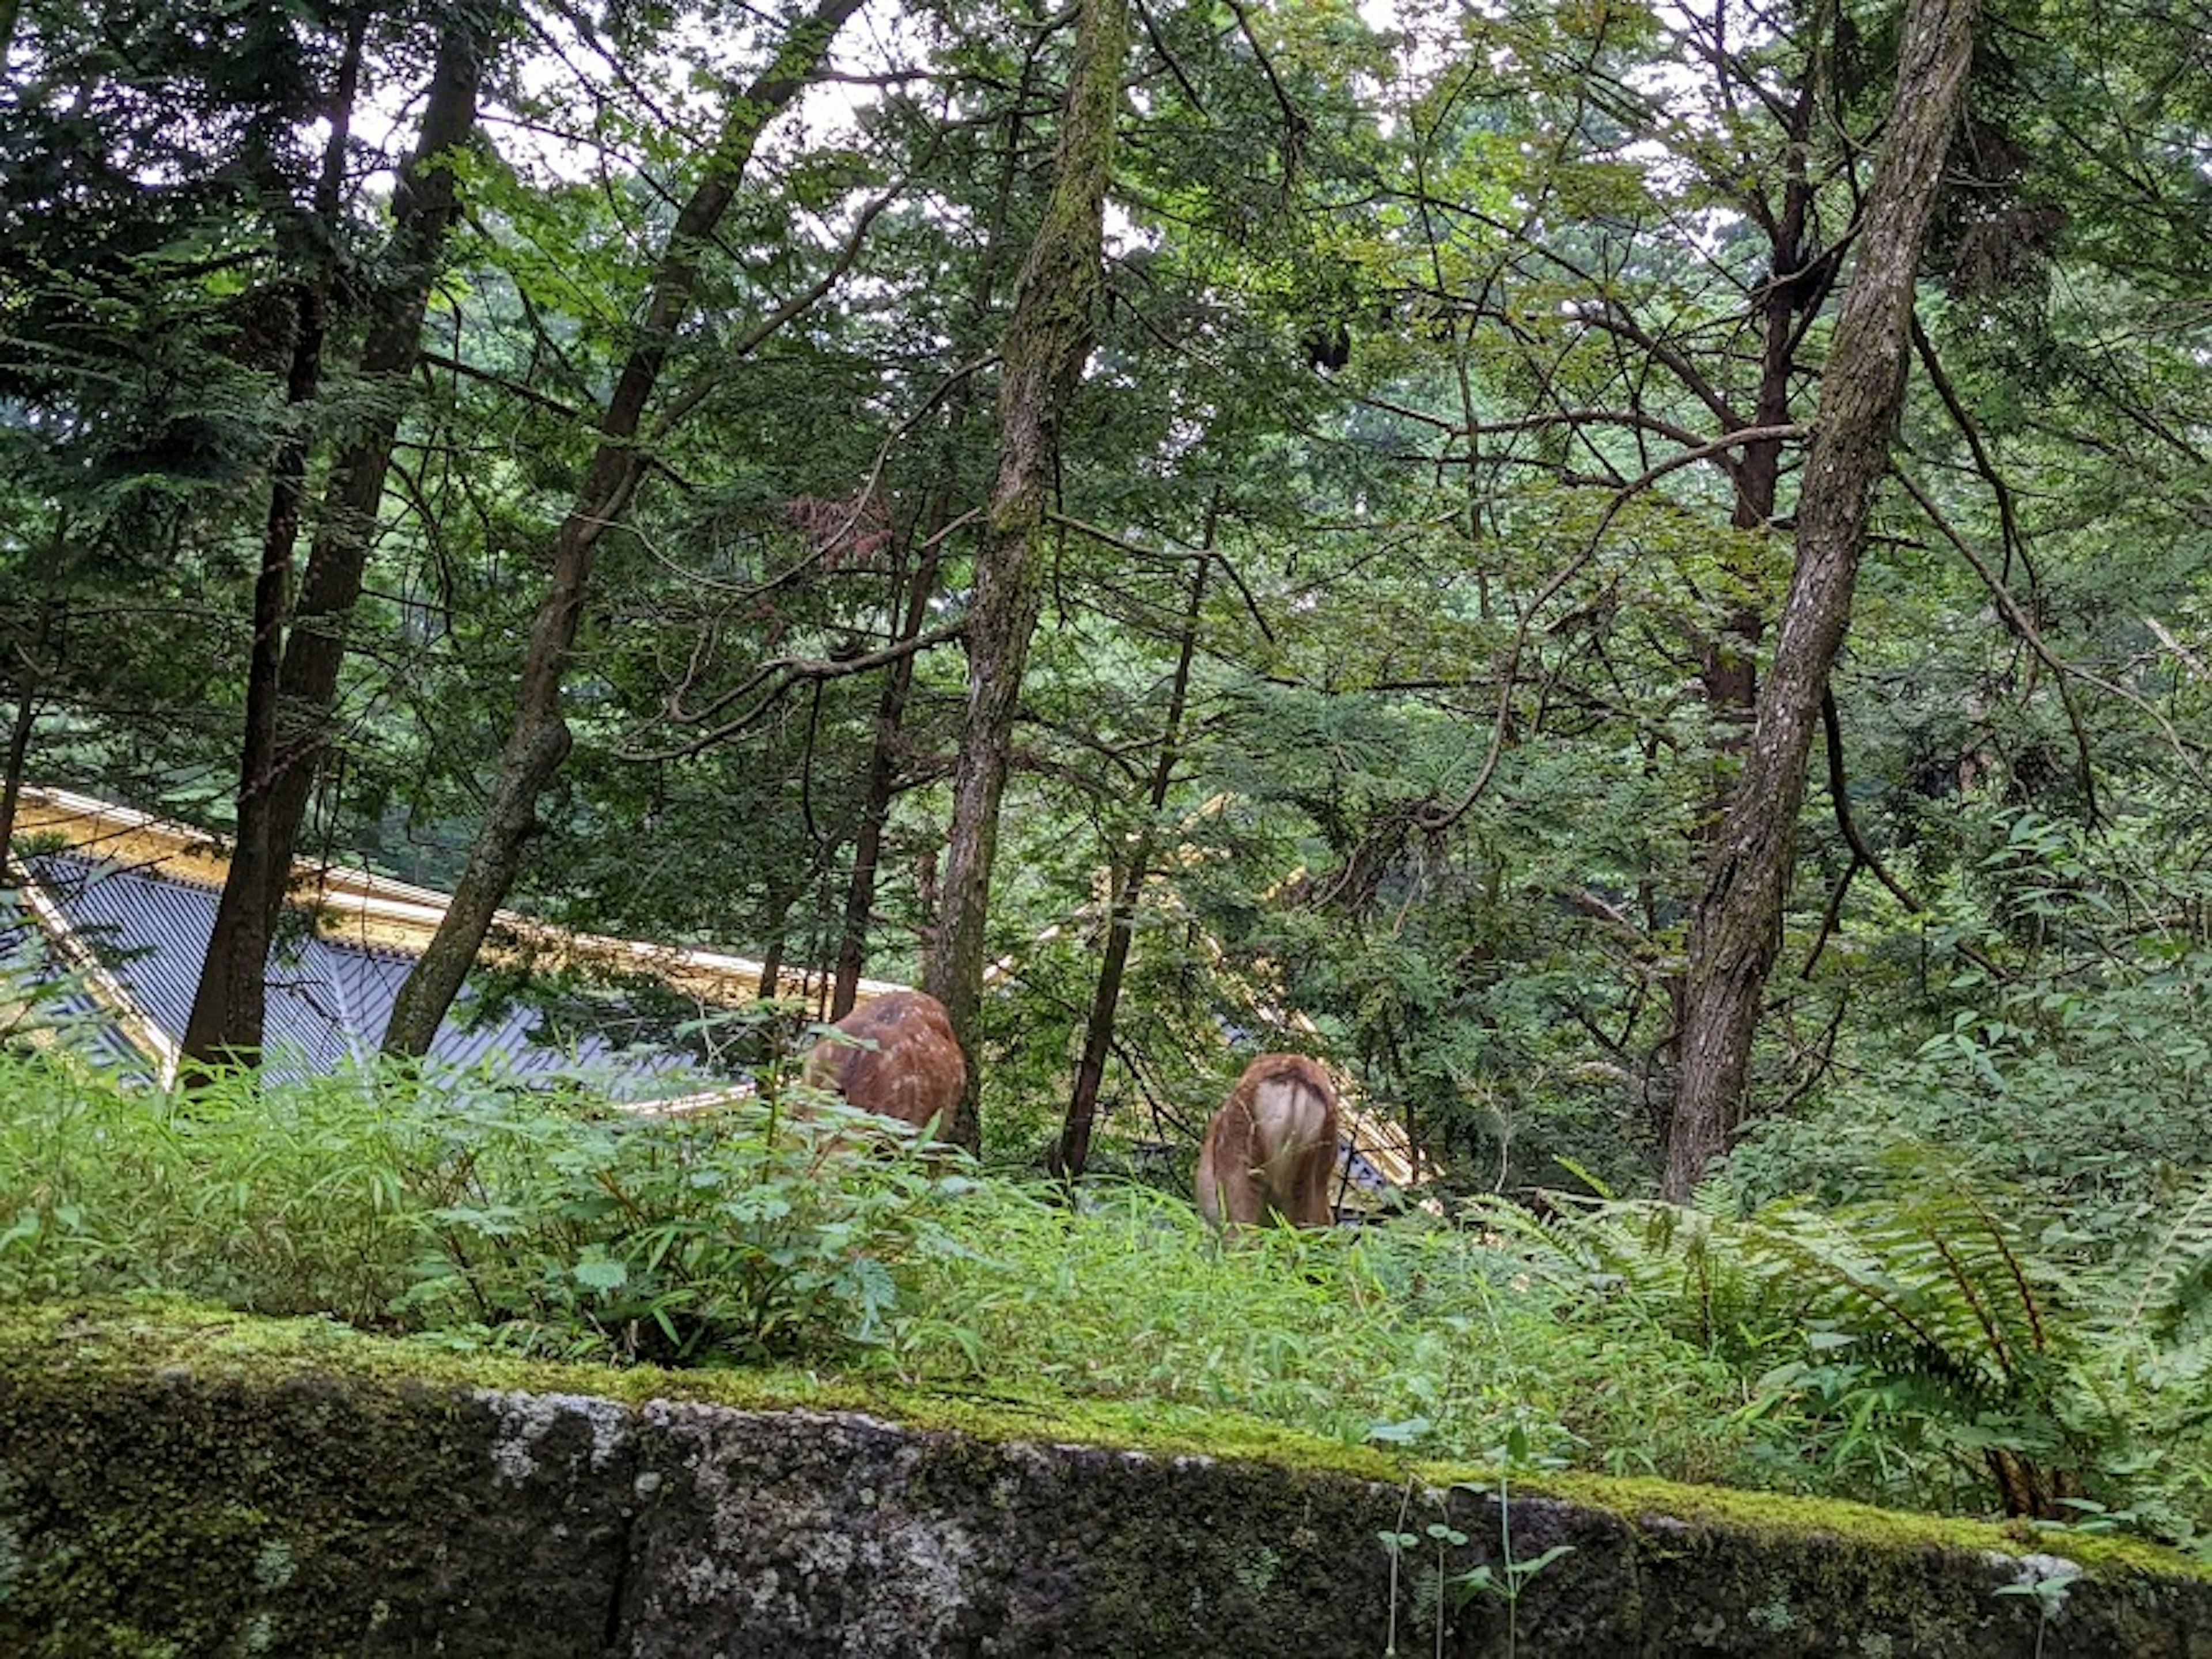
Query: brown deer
897, 1056
1272, 1147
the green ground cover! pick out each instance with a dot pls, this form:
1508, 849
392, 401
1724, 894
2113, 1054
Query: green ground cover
1926, 1350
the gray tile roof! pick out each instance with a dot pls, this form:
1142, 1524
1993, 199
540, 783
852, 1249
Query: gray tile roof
329, 996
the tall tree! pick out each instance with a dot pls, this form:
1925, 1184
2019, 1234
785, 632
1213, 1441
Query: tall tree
943, 497
1125, 886
300, 644
1737, 930
158, 238
539, 737
1048, 342
233, 998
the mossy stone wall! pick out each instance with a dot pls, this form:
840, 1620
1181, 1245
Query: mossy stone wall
171, 1486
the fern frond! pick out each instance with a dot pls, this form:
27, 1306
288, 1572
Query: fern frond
2168, 1280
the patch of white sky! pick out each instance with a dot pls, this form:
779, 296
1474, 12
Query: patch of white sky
581, 108
1432, 38
573, 105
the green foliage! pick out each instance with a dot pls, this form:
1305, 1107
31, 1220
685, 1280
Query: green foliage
565, 1226
458, 1204
1424, 335
1939, 1344
1414, 1334
738, 1230
1942, 1347
2070, 1058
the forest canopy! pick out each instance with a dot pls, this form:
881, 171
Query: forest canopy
1634, 576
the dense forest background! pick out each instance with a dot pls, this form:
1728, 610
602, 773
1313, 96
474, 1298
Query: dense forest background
1189, 516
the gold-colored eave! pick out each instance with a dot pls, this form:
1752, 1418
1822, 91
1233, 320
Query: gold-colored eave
379, 912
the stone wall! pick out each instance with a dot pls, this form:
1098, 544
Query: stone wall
180, 1486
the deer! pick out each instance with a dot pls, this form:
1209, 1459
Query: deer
896, 1056
1272, 1147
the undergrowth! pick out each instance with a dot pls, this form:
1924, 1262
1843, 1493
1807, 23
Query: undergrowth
1417, 1334
551, 1222
1938, 1348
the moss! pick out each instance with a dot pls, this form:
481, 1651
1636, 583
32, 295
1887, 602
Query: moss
1781, 1515
135, 1334
202, 1484
192, 1486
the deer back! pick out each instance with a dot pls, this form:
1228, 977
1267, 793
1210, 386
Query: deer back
902, 1062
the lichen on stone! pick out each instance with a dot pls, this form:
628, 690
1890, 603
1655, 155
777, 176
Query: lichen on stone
525, 1420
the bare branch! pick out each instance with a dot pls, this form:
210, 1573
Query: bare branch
1984, 463
780, 675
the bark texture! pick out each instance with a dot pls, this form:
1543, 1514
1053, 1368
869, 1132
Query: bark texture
539, 739
227, 1007
898, 682
294, 728
1048, 341
1737, 930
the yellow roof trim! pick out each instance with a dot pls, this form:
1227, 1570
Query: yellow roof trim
377, 911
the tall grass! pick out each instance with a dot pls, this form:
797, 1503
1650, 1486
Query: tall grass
290, 1202
557, 1224
1417, 1334
464, 1204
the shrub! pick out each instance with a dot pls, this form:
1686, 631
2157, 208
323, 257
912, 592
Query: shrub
741, 1230
462, 1203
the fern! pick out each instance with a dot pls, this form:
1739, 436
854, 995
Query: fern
2166, 1288
1944, 1307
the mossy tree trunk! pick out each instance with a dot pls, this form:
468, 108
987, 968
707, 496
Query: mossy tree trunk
898, 681
539, 739
1737, 930
1048, 341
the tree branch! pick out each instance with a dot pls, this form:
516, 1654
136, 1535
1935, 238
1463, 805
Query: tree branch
781, 674
2024, 629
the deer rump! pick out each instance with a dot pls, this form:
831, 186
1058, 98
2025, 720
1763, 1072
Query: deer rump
1272, 1147
914, 1072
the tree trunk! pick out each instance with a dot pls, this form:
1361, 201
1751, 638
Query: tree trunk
11, 787
539, 739
898, 683
882, 784
229, 1006
1048, 341
28, 685
1727, 675
771, 974
1073, 1152
424, 205
1737, 930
